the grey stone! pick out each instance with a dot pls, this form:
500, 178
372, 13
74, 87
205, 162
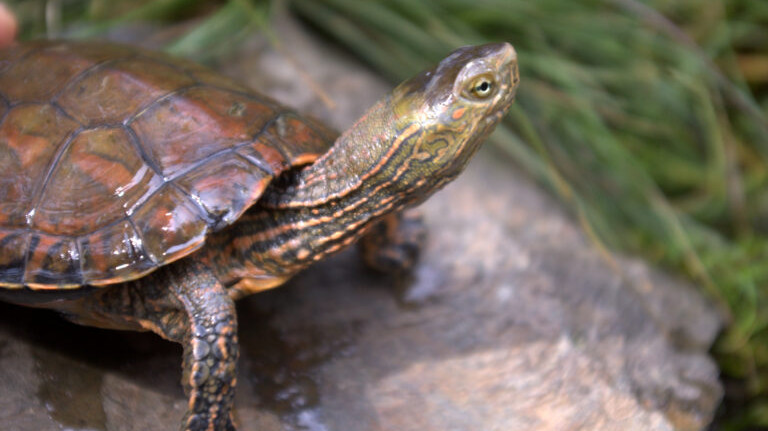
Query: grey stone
514, 320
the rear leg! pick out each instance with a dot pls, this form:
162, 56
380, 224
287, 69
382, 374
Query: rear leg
185, 303
394, 244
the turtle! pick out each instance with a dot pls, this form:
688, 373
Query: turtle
139, 191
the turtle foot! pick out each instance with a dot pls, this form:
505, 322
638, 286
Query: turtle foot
394, 244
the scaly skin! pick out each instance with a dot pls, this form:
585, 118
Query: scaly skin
404, 149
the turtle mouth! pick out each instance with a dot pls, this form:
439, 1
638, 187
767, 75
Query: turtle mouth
495, 118
506, 64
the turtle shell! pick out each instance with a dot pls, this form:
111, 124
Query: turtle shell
115, 161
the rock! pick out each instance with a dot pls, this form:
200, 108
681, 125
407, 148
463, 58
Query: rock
512, 321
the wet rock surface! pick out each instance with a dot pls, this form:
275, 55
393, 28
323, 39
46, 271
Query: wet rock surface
512, 321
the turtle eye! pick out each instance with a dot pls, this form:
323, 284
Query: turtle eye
481, 87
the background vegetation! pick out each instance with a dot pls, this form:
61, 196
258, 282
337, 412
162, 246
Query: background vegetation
648, 118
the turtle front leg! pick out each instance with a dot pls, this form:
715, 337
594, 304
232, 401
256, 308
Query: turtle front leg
209, 337
394, 243
182, 302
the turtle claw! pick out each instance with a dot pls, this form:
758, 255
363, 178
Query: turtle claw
200, 423
394, 244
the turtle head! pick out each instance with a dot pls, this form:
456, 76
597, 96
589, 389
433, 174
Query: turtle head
419, 137
449, 110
